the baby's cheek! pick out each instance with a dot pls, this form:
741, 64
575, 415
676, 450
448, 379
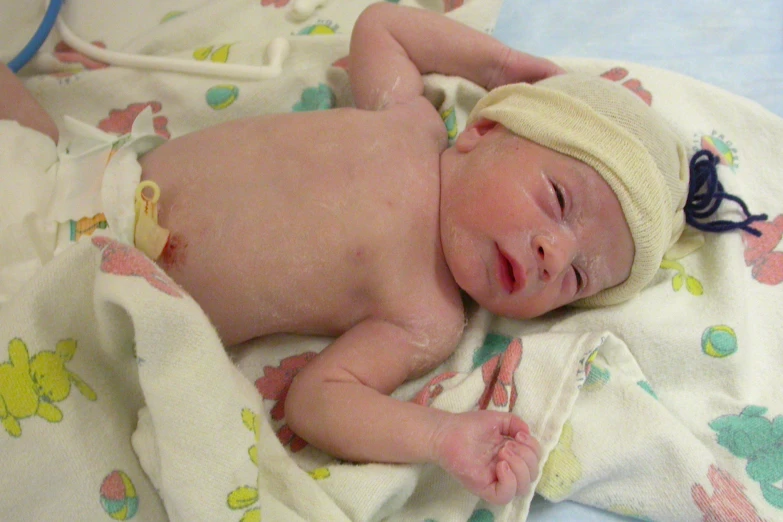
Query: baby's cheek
599, 269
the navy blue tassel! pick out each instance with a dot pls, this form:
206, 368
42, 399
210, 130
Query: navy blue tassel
705, 195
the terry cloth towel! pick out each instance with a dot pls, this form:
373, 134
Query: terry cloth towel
210, 443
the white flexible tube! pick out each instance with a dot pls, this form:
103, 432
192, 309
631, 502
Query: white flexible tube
276, 52
303, 9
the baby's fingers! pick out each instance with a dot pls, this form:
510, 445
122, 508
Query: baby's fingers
502, 491
523, 67
513, 426
533, 455
523, 462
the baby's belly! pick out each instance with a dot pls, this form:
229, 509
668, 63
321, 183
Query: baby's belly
271, 234
251, 285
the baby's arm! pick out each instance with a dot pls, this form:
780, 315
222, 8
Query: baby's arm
339, 402
16, 103
392, 46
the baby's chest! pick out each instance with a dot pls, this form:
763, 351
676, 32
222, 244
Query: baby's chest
377, 193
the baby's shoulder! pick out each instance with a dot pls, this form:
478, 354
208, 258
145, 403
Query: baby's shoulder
421, 119
436, 322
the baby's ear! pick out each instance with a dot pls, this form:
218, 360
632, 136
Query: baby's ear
473, 133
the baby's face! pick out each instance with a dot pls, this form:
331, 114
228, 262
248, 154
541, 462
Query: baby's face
526, 229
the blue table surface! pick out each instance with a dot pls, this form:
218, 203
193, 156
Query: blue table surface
736, 45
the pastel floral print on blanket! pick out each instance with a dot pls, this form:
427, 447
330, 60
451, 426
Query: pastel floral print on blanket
681, 278
498, 373
118, 496
562, 469
274, 3
246, 497
120, 121
619, 74
68, 55
720, 146
318, 98
214, 53
758, 439
761, 253
123, 260
498, 357
274, 385
728, 500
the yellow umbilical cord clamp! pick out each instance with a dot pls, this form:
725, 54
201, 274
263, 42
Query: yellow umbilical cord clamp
148, 236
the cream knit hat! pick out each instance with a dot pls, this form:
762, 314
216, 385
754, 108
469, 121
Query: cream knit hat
609, 128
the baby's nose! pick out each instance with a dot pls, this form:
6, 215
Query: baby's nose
554, 254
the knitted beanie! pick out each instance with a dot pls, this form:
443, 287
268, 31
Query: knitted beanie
607, 127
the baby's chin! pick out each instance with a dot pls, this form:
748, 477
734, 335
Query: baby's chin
508, 311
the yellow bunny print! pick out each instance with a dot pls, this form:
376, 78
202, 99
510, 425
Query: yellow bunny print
31, 386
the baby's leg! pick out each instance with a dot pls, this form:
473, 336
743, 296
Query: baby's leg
16, 103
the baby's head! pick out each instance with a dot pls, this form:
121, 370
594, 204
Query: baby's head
607, 127
599, 127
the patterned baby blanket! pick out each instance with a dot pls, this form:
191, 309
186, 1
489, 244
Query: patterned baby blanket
118, 401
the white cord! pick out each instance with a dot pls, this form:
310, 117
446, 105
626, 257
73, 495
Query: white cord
304, 9
276, 52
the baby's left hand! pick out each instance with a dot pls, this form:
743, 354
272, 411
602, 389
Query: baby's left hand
491, 453
522, 67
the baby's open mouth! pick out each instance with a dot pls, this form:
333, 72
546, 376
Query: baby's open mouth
509, 273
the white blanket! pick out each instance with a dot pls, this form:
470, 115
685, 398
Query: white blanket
117, 399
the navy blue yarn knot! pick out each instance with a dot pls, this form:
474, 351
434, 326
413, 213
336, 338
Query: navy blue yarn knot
705, 195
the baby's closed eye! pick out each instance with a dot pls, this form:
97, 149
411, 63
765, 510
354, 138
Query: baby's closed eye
560, 197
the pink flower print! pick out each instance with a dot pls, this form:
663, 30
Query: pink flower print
274, 385
123, 260
727, 503
274, 3
67, 54
634, 85
341, 63
120, 121
616, 74
498, 373
432, 389
760, 251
